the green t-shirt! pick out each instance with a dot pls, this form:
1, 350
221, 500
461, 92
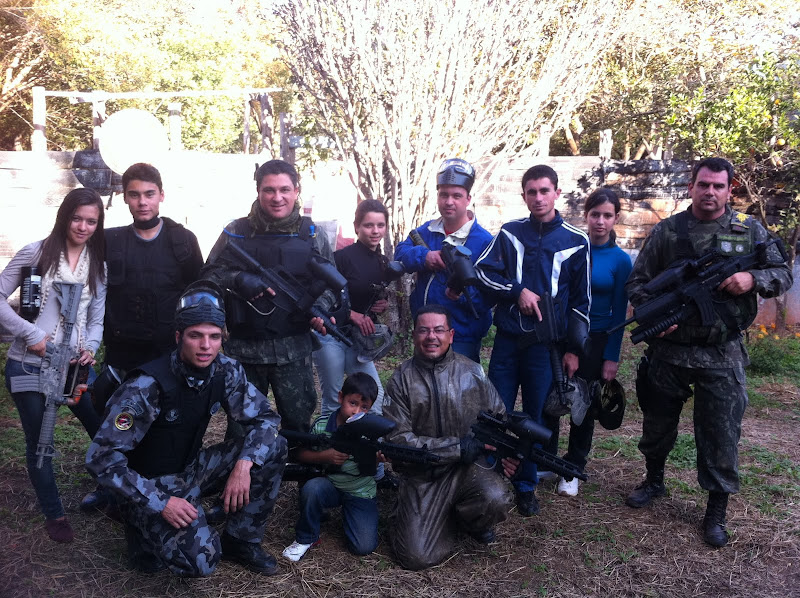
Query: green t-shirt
346, 478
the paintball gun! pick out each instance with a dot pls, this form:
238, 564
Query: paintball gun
394, 270
688, 289
515, 435
546, 332
290, 295
460, 269
359, 437
54, 381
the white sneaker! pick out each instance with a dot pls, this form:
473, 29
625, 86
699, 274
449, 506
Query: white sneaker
547, 476
566, 488
296, 551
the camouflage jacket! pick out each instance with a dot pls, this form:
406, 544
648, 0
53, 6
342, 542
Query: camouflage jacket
134, 407
435, 403
660, 251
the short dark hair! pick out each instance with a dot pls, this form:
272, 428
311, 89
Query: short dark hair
142, 171
540, 171
433, 308
714, 165
367, 206
362, 384
277, 167
600, 196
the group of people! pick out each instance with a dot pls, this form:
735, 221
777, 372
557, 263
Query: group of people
165, 315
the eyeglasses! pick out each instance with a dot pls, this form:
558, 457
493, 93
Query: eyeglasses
459, 165
198, 298
438, 331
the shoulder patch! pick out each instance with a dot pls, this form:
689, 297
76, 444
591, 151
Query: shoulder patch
133, 407
123, 421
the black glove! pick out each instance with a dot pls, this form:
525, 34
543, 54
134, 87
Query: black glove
249, 285
471, 449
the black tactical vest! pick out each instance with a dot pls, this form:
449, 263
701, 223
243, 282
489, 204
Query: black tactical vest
290, 251
176, 436
145, 281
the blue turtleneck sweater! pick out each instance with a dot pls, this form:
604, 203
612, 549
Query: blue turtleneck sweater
610, 269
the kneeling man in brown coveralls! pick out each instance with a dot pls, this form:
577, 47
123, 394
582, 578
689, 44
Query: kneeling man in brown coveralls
434, 398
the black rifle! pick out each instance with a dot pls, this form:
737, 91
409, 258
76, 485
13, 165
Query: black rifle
292, 296
358, 437
54, 380
688, 289
516, 435
460, 270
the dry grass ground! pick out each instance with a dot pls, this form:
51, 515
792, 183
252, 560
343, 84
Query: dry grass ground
592, 545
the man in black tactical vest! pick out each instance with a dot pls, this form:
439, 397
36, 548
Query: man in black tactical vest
150, 263
148, 451
274, 345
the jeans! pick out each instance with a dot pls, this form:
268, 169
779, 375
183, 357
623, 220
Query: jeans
359, 515
333, 360
511, 368
471, 349
31, 406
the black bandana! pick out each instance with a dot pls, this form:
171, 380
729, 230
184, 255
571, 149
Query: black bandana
147, 224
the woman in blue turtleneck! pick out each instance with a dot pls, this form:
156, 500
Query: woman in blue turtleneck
610, 269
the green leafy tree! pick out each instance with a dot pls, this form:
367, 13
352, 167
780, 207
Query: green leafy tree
147, 45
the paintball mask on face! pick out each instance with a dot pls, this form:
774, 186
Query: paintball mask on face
201, 302
456, 171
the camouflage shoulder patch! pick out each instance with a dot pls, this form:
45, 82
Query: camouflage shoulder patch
123, 421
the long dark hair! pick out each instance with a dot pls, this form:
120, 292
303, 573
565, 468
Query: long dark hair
56, 241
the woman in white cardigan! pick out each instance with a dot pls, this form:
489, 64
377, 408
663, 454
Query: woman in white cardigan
72, 253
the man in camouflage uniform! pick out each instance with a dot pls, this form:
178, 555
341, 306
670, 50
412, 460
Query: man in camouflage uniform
274, 347
711, 358
148, 451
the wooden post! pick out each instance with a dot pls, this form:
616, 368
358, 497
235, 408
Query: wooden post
606, 143
543, 143
246, 135
98, 116
287, 149
175, 141
38, 139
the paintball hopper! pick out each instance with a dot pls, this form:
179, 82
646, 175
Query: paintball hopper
374, 346
573, 399
608, 403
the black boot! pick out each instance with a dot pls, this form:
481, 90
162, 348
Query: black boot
139, 557
248, 554
714, 522
652, 486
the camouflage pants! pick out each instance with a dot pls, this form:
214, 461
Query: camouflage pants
293, 389
194, 551
429, 513
720, 398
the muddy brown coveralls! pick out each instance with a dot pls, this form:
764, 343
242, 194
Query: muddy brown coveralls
434, 404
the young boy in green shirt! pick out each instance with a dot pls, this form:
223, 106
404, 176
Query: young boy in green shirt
344, 485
